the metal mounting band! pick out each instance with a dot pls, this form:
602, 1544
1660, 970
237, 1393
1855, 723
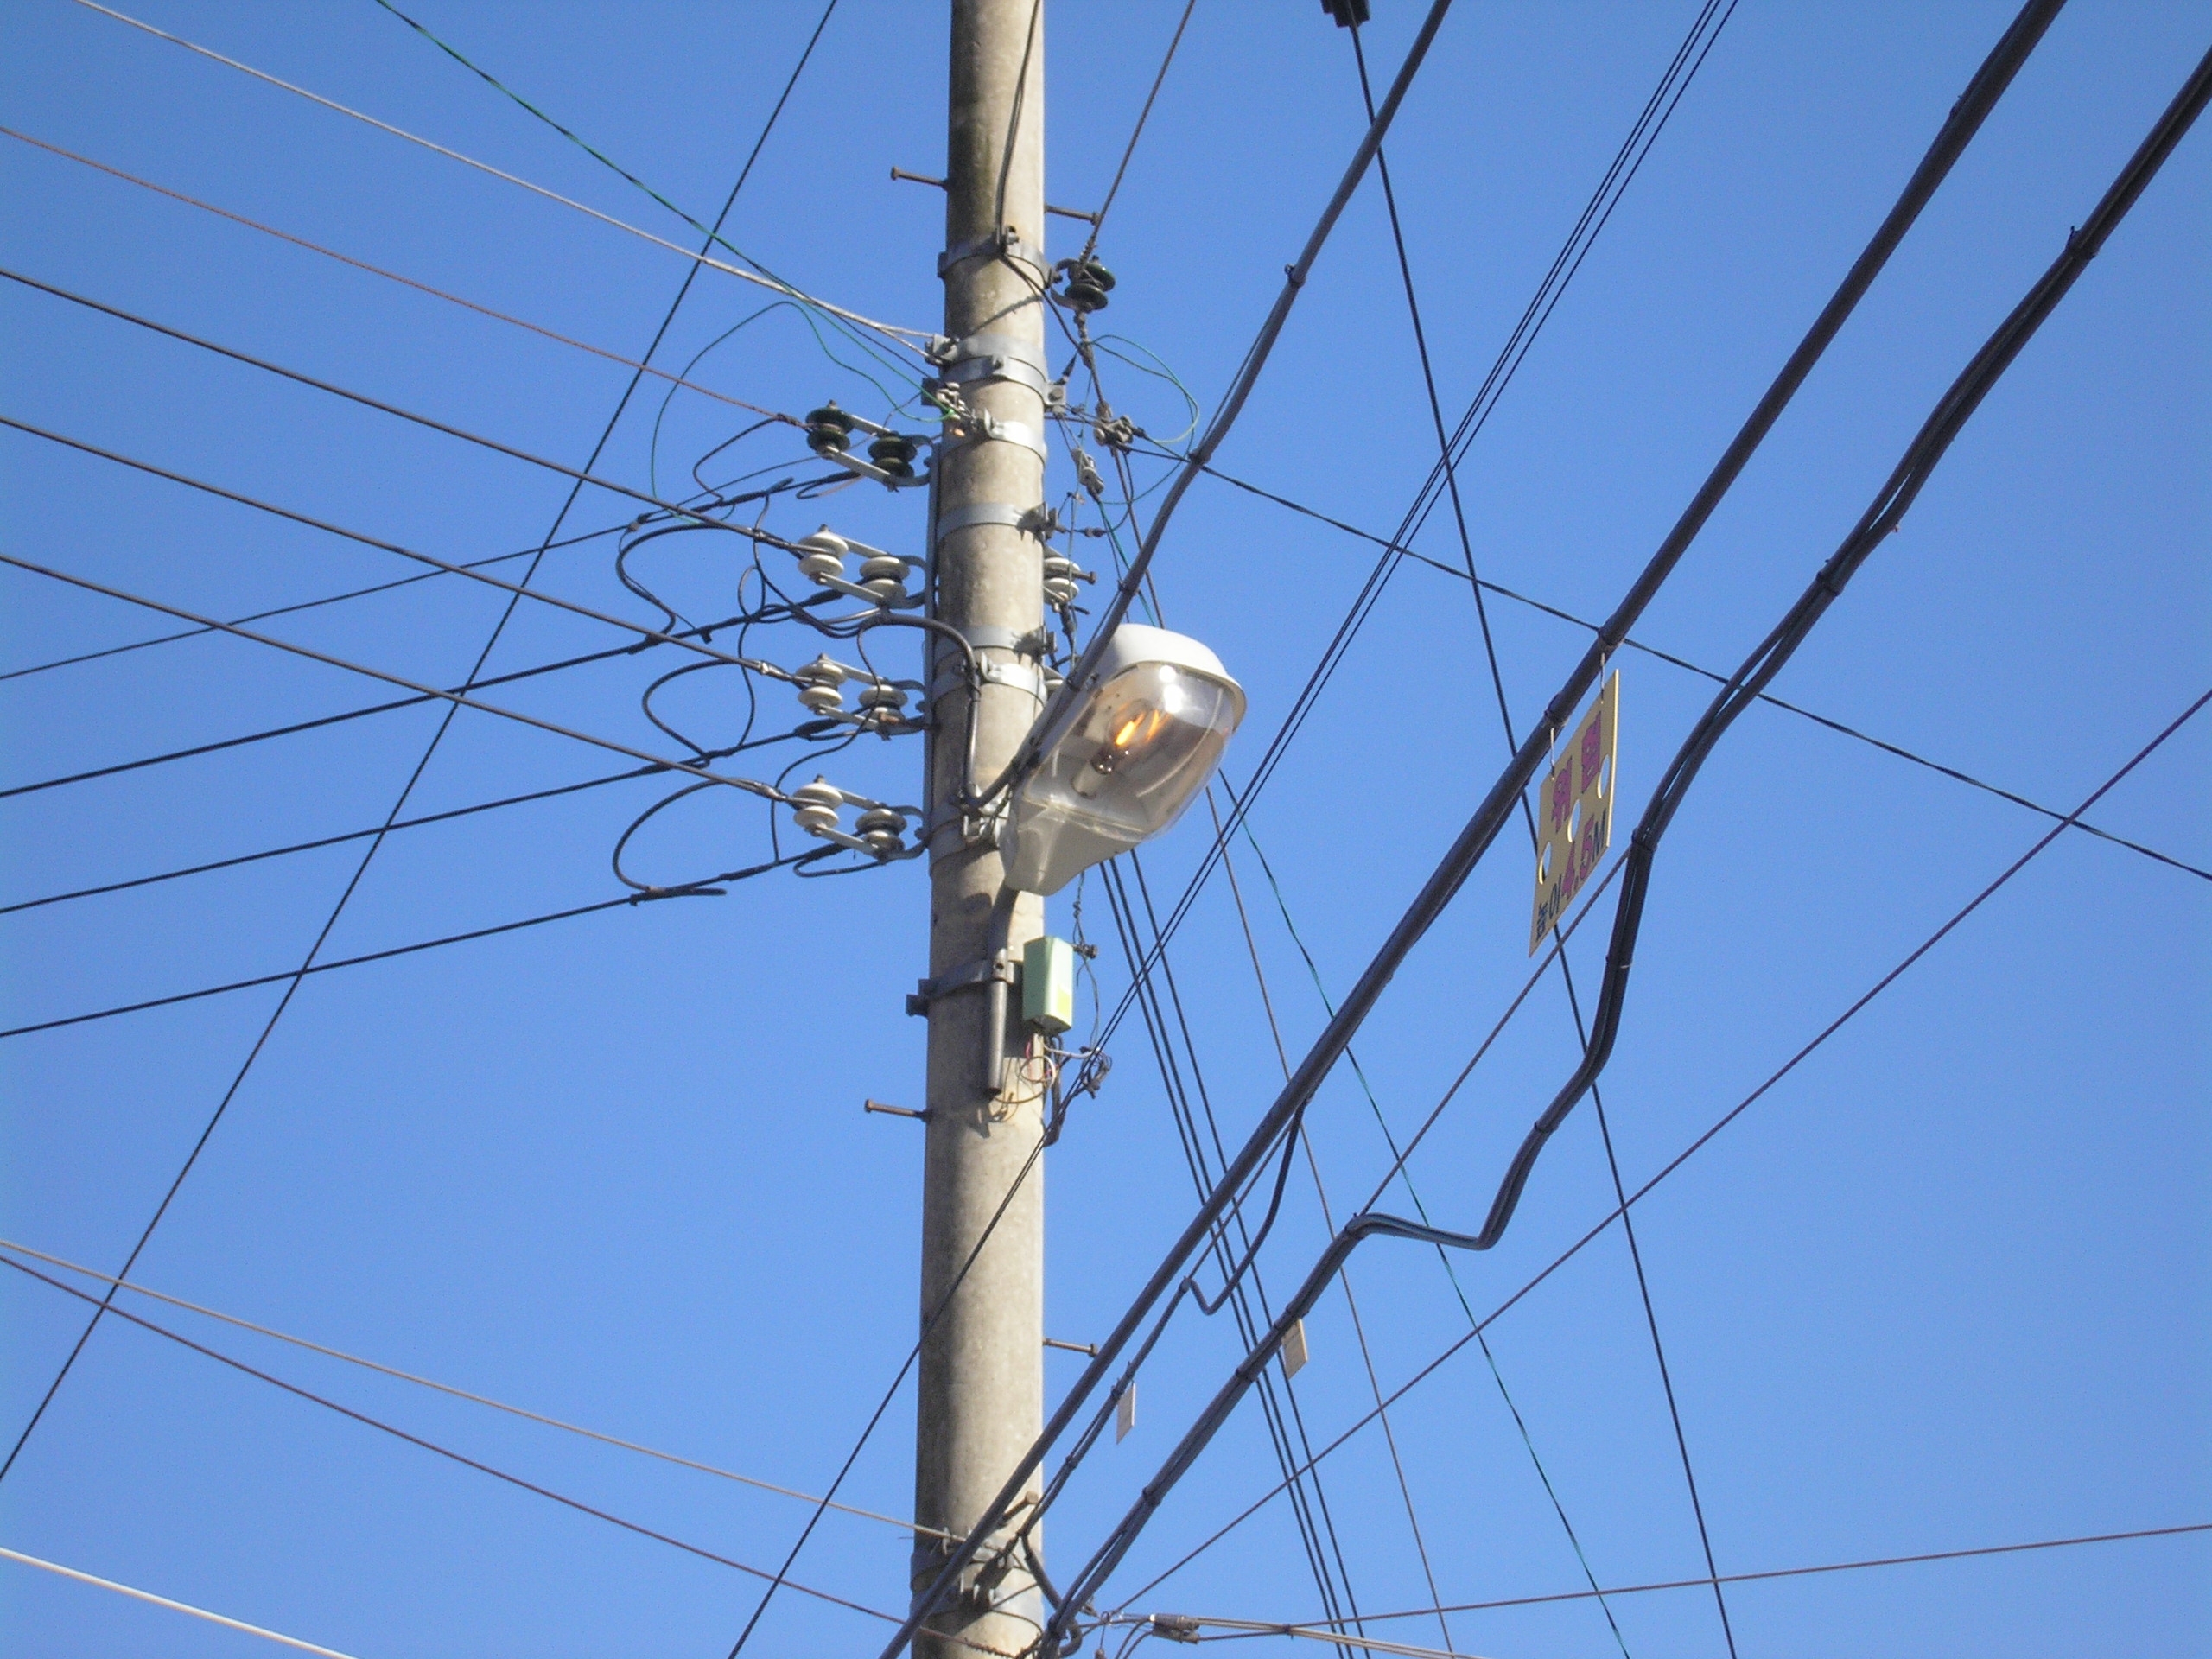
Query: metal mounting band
980, 972
982, 370
989, 429
1002, 245
981, 636
1010, 346
1036, 521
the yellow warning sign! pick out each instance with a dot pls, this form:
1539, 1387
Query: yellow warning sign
1574, 813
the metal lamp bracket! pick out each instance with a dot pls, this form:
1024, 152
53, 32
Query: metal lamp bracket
982, 971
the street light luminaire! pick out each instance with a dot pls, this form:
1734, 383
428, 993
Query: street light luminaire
1122, 764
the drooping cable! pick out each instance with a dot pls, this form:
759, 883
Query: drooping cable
399, 805
106, 1307
1773, 1078
447, 1388
1881, 519
1964, 119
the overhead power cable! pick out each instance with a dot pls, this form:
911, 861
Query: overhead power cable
1129, 149
443, 567
428, 421
553, 335
1773, 1574
1883, 516
750, 785
1964, 119
149, 1597
1232, 405
1764, 1088
1960, 125
406, 793
71, 661
149, 1292
1631, 643
898, 336
1881, 519
1696, 46
293, 728
462, 1458
706, 888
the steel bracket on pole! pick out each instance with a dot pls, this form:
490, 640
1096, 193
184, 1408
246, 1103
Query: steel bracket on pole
1040, 521
1001, 967
1004, 246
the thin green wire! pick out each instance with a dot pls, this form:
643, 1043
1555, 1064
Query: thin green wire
714, 238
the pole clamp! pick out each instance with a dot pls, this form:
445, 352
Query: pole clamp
986, 356
978, 427
1040, 521
1005, 244
983, 636
980, 972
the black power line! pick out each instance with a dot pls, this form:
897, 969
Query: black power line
1960, 125
399, 804
1964, 119
1774, 1078
1922, 457
447, 1453
708, 887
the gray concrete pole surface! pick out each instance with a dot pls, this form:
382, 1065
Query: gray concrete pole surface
982, 1383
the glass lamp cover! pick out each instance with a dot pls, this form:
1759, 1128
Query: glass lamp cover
1123, 771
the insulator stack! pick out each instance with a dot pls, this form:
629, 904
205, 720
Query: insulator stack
825, 555
829, 431
1060, 575
884, 577
814, 807
881, 828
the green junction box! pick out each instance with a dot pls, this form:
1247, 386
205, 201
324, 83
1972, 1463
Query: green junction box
1048, 985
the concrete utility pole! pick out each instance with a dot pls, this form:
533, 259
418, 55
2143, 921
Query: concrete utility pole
981, 1380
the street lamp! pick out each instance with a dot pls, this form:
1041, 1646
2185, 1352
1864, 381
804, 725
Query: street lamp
1122, 762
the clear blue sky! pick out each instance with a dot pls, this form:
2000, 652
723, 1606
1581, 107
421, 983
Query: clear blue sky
1945, 1286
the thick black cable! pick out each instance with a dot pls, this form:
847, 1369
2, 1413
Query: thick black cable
1963, 121
1232, 405
1965, 118
462, 1458
1922, 455
399, 805
1772, 1079
1631, 643
1881, 520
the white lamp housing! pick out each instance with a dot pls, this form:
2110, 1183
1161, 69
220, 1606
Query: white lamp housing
1119, 766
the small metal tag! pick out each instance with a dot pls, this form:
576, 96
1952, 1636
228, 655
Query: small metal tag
1125, 1413
1293, 1351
